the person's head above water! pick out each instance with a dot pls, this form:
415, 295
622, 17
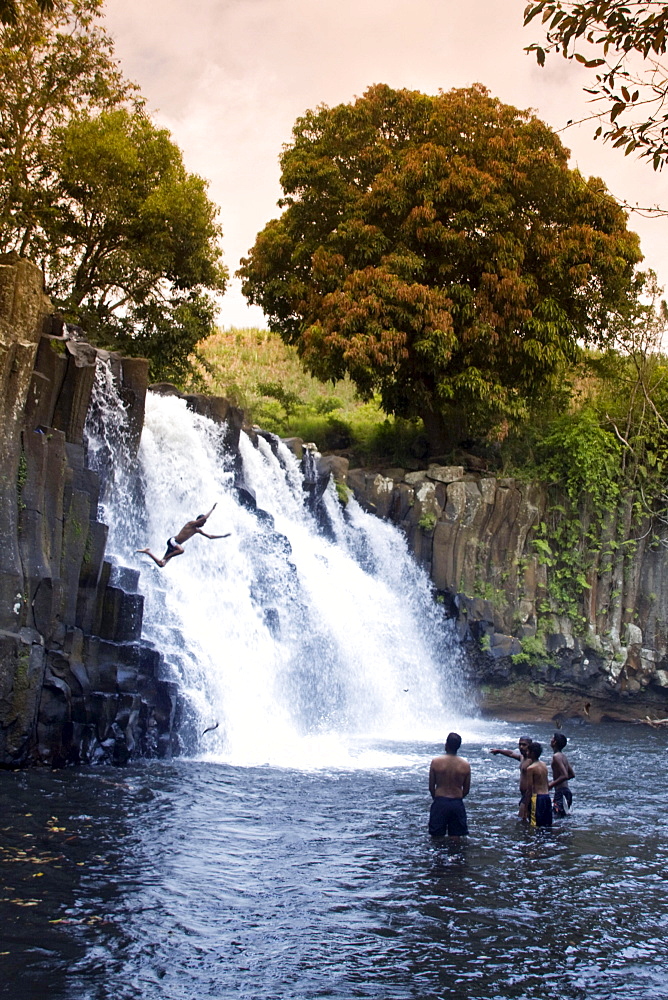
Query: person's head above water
535, 750
453, 743
559, 741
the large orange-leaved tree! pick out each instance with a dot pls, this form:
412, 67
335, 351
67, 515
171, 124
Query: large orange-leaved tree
440, 251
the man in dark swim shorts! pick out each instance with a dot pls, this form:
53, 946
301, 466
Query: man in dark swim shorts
561, 773
172, 546
449, 784
540, 803
175, 544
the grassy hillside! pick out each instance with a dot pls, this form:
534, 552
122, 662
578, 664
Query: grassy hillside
257, 371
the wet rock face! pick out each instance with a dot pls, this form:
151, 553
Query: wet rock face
76, 682
474, 533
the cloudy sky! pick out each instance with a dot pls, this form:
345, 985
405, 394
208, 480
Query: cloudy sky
229, 78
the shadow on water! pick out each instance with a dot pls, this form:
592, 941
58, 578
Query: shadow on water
202, 879
62, 848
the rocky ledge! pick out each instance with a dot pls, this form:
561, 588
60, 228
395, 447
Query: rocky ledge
77, 684
475, 535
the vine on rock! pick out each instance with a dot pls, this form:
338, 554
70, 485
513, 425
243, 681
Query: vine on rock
581, 464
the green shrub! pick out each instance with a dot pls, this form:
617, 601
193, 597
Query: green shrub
582, 458
343, 492
533, 652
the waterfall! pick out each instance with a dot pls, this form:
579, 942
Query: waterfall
298, 641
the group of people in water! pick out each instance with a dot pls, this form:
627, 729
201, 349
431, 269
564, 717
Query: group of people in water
450, 781
449, 774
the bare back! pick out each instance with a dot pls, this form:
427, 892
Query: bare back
191, 528
449, 776
537, 777
561, 769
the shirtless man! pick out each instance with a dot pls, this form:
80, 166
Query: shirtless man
561, 772
449, 783
523, 756
538, 798
175, 544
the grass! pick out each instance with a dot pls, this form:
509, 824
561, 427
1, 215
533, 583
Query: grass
255, 370
243, 359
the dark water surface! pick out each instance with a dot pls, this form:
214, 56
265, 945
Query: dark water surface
194, 879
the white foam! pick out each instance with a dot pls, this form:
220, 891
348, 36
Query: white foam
300, 651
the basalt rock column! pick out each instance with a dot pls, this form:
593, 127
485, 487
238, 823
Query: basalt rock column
24, 311
76, 682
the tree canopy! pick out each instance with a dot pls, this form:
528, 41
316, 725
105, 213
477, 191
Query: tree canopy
132, 244
53, 66
9, 10
441, 252
96, 194
622, 43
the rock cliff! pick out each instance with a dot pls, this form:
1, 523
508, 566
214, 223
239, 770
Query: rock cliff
76, 682
478, 537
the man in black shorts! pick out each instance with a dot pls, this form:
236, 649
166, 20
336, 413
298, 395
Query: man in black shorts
540, 804
561, 773
449, 783
175, 544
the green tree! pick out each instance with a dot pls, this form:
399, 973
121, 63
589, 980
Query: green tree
440, 251
52, 65
621, 42
632, 397
97, 195
130, 245
9, 10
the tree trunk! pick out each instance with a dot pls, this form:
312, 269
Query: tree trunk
445, 429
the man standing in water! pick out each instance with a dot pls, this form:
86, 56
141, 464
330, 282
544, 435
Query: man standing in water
538, 797
561, 772
523, 744
449, 783
175, 544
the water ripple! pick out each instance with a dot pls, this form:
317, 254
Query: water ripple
198, 879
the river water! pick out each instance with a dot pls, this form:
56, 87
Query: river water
199, 878
284, 854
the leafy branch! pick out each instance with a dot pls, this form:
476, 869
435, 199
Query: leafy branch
10, 10
607, 35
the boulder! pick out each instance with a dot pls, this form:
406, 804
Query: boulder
334, 465
295, 445
445, 473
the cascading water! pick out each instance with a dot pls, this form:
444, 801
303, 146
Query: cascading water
298, 642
